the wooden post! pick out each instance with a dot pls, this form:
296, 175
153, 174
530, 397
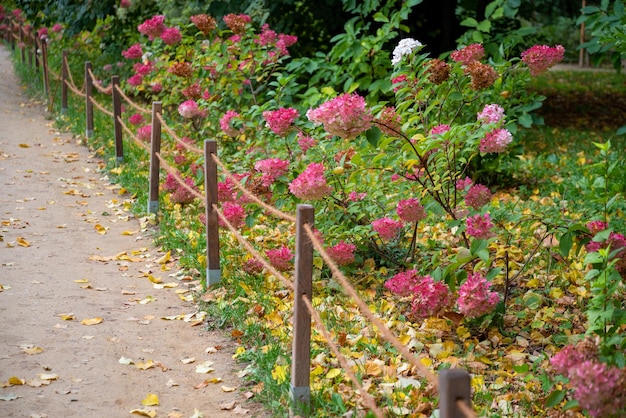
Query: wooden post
454, 385
155, 166
88, 104
33, 49
22, 45
301, 349
213, 273
13, 24
64, 78
581, 52
44, 65
117, 125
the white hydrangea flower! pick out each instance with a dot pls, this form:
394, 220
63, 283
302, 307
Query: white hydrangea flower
405, 47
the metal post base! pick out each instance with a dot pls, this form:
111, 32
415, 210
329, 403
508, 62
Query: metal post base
153, 206
213, 277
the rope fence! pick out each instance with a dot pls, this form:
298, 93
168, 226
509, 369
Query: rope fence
453, 385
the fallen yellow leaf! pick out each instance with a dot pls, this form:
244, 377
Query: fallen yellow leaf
145, 366
166, 257
67, 317
150, 400
15, 381
100, 229
92, 321
332, 373
145, 412
228, 388
81, 281
33, 350
24, 146
154, 279
48, 376
22, 242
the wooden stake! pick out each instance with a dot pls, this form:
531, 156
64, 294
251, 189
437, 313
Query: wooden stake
64, 78
454, 385
301, 349
213, 273
155, 147
117, 125
88, 104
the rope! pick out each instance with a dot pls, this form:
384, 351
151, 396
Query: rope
176, 138
286, 282
53, 74
367, 398
171, 170
74, 89
386, 333
271, 209
466, 410
132, 135
97, 85
100, 107
130, 102
69, 74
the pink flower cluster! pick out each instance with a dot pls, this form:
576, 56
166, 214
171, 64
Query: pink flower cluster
226, 123
272, 168
305, 142
478, 196
387, 228
475, 298
144, 133
280, 258
345, 116
234, 213
252, 266
479, 226
598, 387
461, 184
189, 109
495, 141
342, 253
540, 58
153, 27
136, 119
616, 242
268, 37
356, 197
429, 298
280, 121
439, 129
182, 194
410, 210
171, 36
311, 183
237, 22
491, 113
471, 53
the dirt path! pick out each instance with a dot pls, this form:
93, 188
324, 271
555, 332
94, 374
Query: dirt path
72, 254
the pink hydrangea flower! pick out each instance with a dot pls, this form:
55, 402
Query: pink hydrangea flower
430, 298
470, 53
136, 119
57, 28
410, 210
135, 80
225, 191
156, 87
398, 82
305, 142
475, 298
42, 33
226, 123
189, 109
280, 258
170, 184
285, 41
478, 196
272, 168
280, 121
345, 116
479, 226
182, 195
311, 183
145, 133
598, 388
461, 184
439, 129
387, 228
491, 113
124, 4
596, 226
252, 266
143, 69
267, 36
568, 358
133, 52
153, 27
540, 58
342, 253
234, 213
356, 197
171, 36
495, 141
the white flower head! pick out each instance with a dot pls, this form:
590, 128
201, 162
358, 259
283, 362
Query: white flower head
405, 47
